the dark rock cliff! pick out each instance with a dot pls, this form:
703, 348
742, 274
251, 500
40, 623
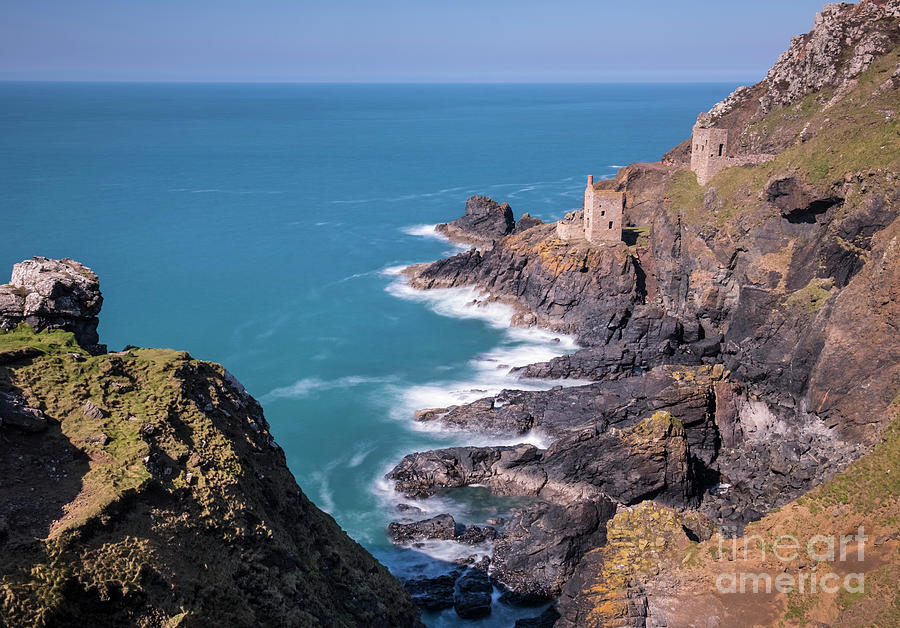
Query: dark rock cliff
759, 310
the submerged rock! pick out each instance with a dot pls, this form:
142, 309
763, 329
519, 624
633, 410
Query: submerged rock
433, 594
473, 596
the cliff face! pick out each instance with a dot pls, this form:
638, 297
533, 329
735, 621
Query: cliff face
144, 488
759, 309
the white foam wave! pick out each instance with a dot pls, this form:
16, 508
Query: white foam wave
490, 371
455, 303
527, 188
309, 385
428, 231
487, 375
424, 231
394, 271
451, 551
460, 510
320, 480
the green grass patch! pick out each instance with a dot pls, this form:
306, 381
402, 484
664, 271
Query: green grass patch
856, 135
869, 481
813, 295
50, 341
684, 195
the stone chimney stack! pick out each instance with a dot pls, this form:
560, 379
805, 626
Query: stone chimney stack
590, 179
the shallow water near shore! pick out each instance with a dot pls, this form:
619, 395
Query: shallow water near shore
262, 226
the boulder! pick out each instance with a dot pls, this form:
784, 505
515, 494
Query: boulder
433, 594
421, 474
91, 411
54, 294
440, 527
15, 411
527, 221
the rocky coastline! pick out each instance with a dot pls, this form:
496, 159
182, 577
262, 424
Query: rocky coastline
738, 377
740, 340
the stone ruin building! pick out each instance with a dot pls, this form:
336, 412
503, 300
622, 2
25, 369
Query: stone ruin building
710, 151
600, 219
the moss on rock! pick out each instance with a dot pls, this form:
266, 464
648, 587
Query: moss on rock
171, 505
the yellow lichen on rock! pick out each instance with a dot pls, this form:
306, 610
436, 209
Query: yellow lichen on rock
638, 539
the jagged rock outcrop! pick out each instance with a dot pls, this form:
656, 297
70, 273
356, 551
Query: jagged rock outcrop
687, 393
845, 40
541, 545
605, 589
579, 289
484, 222
527, 221
53, 294
16, 412
441, 527
649, 460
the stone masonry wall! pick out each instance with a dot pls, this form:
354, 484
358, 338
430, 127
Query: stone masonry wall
571, 227
603, 220
709, 152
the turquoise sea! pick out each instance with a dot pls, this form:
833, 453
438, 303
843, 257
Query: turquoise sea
261, 226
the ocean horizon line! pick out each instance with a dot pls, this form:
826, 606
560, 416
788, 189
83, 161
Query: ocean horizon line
366, 83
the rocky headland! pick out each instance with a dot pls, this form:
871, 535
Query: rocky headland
741, 342
143, 487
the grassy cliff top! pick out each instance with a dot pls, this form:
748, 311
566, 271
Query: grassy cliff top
859, 132
157, 497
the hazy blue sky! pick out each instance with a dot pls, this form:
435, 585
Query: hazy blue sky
396, 40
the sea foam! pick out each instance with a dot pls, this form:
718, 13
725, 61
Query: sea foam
309, 385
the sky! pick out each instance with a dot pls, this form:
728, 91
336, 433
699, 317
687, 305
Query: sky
397, 40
